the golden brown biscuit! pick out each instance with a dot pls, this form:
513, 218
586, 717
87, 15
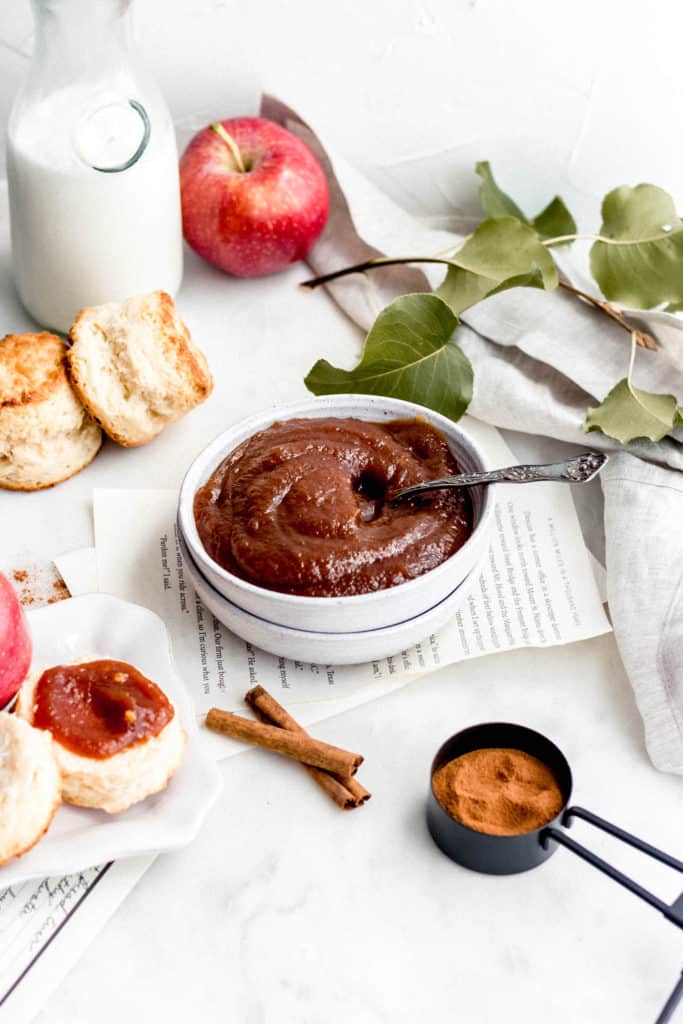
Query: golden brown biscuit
45, 433
135, 366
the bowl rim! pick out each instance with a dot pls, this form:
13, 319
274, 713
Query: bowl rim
317, 633
290, 410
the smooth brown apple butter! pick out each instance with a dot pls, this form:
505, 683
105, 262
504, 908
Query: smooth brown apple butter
303, 507
98, 708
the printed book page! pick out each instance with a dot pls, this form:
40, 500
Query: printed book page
47, 924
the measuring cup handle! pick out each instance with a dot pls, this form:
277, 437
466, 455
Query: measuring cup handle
672, 1002
619, 833
673, 912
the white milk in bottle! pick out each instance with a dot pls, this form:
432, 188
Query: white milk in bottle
92, 168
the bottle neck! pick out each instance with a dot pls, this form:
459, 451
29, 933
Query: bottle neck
80, 38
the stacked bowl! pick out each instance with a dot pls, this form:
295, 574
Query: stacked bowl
336, 630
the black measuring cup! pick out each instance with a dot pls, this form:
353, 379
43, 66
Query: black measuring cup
507, 855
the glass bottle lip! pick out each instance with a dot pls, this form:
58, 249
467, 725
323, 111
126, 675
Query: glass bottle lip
84, 73
81, 20
116, 7
80, 24
78, 39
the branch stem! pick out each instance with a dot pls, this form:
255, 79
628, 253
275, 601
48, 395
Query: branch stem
642, 339
606, 308
379, 261
634, 342
601, 238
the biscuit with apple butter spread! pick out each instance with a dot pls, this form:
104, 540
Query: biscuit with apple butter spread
117, 737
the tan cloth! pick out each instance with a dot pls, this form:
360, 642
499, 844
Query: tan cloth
540, 359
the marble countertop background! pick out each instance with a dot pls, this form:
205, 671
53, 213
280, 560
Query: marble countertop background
285, 911
577, 98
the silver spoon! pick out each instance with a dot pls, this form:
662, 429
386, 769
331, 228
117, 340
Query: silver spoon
578, 470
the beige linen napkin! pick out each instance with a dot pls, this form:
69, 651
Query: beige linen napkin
540, 359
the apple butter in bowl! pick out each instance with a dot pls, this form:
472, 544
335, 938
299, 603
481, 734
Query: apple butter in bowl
304, 507
287, 515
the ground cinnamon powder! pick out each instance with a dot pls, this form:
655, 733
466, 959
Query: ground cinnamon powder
498, 790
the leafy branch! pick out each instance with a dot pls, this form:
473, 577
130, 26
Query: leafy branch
627, 412
636, 259
643, 339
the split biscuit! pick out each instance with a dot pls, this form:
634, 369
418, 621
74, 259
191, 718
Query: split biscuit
30, 785
45, 433
135, 366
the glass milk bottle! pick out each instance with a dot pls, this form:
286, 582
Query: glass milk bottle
92, 168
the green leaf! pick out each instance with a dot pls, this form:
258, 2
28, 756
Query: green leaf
645, 268
502, 253
495, 202
628, 413
552, 222
408, 354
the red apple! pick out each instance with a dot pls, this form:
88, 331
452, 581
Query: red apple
254, 197
15, 643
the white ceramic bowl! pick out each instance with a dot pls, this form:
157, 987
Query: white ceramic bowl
359, 612
326, 648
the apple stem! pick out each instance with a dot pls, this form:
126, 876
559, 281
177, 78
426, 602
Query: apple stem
227, 138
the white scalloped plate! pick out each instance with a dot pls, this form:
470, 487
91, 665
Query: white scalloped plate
101, 626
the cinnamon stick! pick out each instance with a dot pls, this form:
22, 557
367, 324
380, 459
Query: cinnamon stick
346, 791
330, 783
299, 746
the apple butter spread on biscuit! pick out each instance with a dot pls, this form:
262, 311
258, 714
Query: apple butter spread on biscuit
98, 708
304, 507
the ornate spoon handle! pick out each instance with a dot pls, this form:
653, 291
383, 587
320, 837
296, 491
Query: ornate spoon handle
578, 470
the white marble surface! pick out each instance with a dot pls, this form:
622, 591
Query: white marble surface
285, 910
